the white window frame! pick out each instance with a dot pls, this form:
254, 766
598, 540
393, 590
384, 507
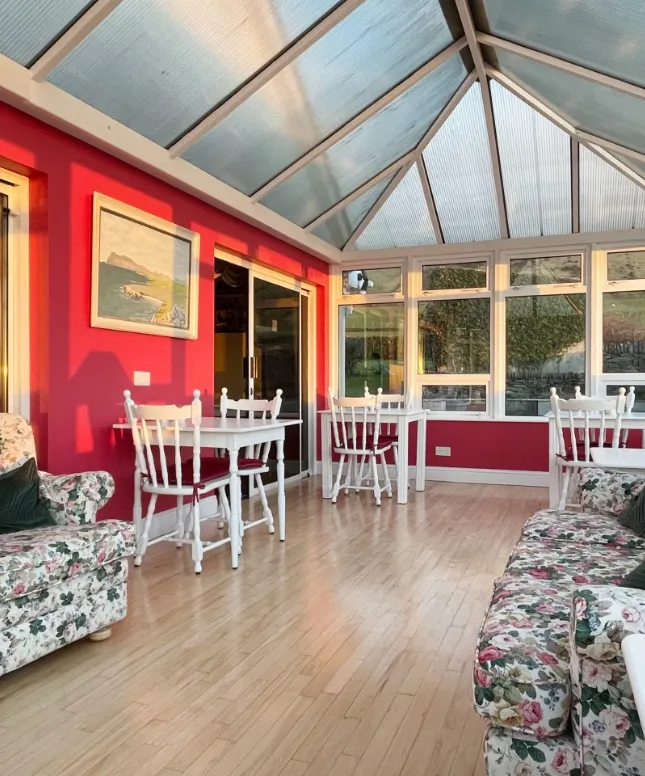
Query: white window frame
16, 187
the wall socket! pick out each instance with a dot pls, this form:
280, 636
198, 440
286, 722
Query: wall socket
141, 378
446, 451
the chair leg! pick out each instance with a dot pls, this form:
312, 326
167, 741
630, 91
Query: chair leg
564, 493
142, 541
377, 487
386, 476
197, 548
351, 466
180, 520
268, 515
226, 507
359, 476
339, 475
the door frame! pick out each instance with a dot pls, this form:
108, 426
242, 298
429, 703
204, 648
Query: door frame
270, 275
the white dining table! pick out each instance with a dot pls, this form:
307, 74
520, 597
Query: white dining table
402, 417
233, 435
635, 421
633, 647
619, 458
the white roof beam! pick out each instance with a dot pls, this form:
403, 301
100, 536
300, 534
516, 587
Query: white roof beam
480, 67
575, 185
561, 64
394, 167
263, 76
429, 199
371, 213
591, 142
361, 118
79, 30
445, 113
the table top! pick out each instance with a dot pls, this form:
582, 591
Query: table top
388, 412
619, 457
231, 425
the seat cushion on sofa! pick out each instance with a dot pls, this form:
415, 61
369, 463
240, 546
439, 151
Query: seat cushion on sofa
512, 754
577, 564
521, 674
608, 492
35, 560
568, 526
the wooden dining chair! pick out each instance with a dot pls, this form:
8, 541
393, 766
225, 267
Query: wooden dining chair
391, 401
255, 463
154, 429
357, 438
577, 414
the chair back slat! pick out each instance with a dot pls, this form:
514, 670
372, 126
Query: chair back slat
390, 401
356, 422
260, 409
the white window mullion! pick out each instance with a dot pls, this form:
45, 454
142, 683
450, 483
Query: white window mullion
498, 336
597, 261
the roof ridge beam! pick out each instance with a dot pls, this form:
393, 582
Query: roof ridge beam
480, 67
71, 38
362, 189
361, 118
429, 200
263, 76
561, 64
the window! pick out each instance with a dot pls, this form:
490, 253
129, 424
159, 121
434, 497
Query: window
459, 276
623, 331
639, 403
371, 348
454, 398
546, 271
373, 281
626, 265
454, 336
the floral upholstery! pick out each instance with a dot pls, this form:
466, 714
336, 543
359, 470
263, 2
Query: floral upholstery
571, 562
610, 728
76, 498
607, 492
580, 527
512, 754
16, 441
34, 560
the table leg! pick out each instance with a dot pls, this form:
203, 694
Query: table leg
236, 507
554, 469
403, 473
327, 474
279, 445
421, 453
136, 509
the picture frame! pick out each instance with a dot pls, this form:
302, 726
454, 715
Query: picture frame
145, 272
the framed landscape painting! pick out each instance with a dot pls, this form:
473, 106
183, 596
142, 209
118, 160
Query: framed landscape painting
145, 272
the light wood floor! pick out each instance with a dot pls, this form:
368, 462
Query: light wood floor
346, 651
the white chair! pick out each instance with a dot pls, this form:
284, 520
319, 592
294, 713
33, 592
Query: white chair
577, 453
154, 428
255, 464
391, 401
356, 427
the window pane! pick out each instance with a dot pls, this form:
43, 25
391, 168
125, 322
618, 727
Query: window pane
623, 329
373, 281
555, 269
436, 277
372, 341
454, 336
627, 265
454, 398
545, 347
639, 404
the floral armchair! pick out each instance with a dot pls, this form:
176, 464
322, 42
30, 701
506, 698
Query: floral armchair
63, 582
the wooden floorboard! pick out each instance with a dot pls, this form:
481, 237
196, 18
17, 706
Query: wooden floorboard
345, 651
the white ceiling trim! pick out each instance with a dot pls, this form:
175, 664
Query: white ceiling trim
263, 76
54, 106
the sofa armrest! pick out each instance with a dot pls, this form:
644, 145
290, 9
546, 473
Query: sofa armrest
605, 720
607, 492
75, 498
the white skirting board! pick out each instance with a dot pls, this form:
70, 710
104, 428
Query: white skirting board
478, 476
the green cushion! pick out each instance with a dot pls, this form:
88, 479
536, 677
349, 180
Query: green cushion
634, 515
20, 504
635, 578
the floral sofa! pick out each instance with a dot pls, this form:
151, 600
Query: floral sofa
549, 675
65, 581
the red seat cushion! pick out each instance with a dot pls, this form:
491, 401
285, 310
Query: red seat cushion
210, 469
250, 463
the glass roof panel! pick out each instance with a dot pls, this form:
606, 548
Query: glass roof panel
27, 29
598, 109
535, 157
159, 66
461, 173
608, 199
604, 35
402, 221
370, 148
339, 228
321, 90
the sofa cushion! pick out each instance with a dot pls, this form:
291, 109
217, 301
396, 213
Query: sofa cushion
35, 560
20, 505
571, 562
522, 658
608, 492
512, 754
566, 526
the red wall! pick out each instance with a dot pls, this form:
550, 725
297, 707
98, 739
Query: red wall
79, 373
